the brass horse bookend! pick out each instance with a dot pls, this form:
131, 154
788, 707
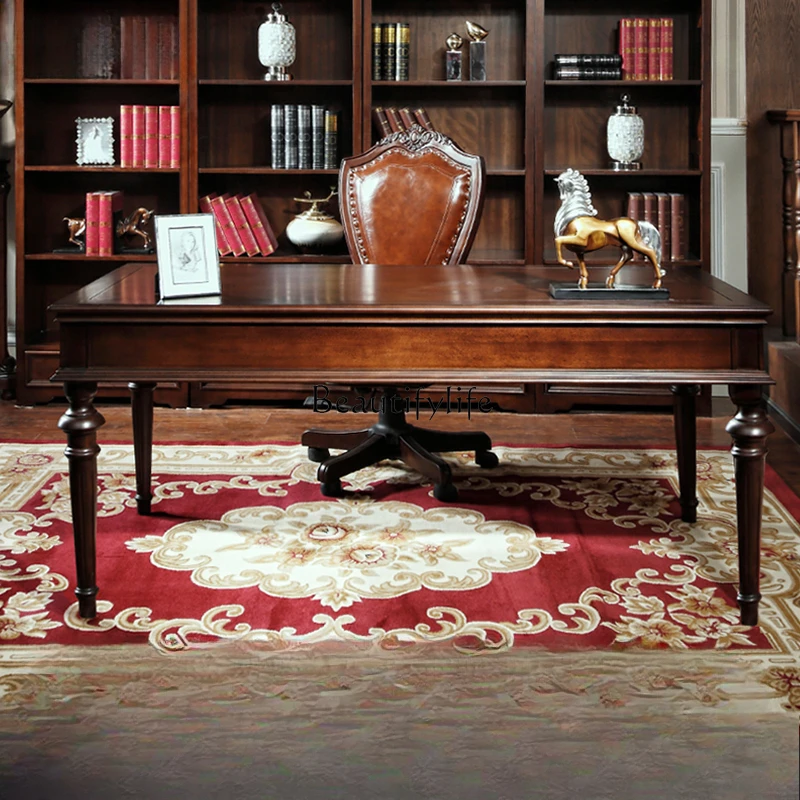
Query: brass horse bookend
132, 226
577, 229
76, 227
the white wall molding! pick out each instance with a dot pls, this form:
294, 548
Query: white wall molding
728, 126
718, 261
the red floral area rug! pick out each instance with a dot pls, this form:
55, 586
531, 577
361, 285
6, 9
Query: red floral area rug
561, 548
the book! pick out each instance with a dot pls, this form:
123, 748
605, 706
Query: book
407, 118
588, 60
380, 122
395, 123
587, 73
290, 136
222, 241
403, 43
653, 49
137, 136
377, 51
92, 224
640, 43
626, 47
164, 136
126, 46
317, 137
219, 209
678, 223
151, 137
168, 48
389, 51
242, 225
667, 46
277, 145
175, 137
151, 38
331, 160
259, 224
126, 136
138, 47
304, 137
422, 117
664, 225
109, 213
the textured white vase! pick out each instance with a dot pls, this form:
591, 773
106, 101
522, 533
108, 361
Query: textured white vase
625, 137
277, 45
314, 232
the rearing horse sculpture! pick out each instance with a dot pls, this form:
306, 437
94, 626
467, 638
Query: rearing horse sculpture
578, 229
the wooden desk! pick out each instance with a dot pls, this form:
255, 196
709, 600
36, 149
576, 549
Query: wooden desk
350, 324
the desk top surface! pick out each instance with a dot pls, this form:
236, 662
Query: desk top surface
435, 291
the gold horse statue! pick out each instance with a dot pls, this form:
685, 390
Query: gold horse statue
76, 227
577, 229
132, 226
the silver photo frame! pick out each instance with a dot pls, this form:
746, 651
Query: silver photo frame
188, 259
95, 140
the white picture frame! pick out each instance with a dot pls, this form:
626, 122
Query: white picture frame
95, 140
188, 259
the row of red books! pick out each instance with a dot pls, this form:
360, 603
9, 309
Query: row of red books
646, 47
149, 47
667, 213
241, 224
392, 120
103, 210
150, 136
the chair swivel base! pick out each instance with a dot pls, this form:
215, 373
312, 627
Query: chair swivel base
393, 438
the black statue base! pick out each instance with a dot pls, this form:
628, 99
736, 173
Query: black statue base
477, 61
599, 291
80, 251
136, 251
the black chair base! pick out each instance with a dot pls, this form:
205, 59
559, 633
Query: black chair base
392, 437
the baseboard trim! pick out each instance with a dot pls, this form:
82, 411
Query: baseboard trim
787, 424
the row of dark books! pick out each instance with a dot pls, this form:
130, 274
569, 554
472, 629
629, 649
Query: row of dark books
242, 226
149, 47
103, 211
390, 51
646, 47
667, 213
150, 136
587, 67
393, 120
304, 137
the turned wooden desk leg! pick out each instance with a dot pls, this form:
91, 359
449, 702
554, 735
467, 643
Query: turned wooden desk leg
685, 413
749, 430
80, 423
142, 413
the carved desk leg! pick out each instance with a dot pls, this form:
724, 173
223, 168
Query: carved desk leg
80, 423
685, 413
749, 430
142, 413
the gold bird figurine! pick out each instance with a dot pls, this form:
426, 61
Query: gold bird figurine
476, 32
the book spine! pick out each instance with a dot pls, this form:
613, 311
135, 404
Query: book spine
138, 47
164, 136
164, 48
221, 212
626, 47
377, 51
105, 242
276, 128
317, 137
678, 227
138, 136
331, 140
667, 45
664, 225
151, 137
403, 43
290, 136
126, 136
588, 60
304, 137
407, 117
126, 46
264, 236
587, 74
654, 49
242, 226
395, 123
175, 137
117, 204
92, 224
222, 242
640, 49
422, 117
381, 122
151, 38
634, 211
389, 51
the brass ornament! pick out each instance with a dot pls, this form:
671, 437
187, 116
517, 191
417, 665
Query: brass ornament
133, 224
76, 227
454, 42
476, 32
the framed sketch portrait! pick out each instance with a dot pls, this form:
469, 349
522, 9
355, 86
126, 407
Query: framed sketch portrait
95, 140
188, 259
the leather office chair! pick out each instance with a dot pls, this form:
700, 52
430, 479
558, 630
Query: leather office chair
413, 198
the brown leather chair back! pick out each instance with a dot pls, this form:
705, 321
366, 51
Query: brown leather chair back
413, 198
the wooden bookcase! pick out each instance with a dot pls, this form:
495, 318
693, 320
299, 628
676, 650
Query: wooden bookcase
527, 126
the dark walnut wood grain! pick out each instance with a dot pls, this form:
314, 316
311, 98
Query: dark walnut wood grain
455, 324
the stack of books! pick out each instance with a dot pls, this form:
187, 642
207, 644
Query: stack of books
390, 49
241, 224
103, 212
588, 67
646, 48
667, 213
149, 47
304, 137
150, 137
393, 120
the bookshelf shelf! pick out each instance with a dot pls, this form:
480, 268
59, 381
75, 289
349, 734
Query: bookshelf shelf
98, 82
248, 83
100, 169
593, 172
629, 86
264, 171
454, 85
115, 259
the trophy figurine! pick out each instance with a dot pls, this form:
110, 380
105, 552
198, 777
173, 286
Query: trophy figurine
453, 57
477, 51
132, 226
76, 227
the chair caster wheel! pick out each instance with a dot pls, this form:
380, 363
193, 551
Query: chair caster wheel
445, 492
318, 454
486, 459
332, 488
